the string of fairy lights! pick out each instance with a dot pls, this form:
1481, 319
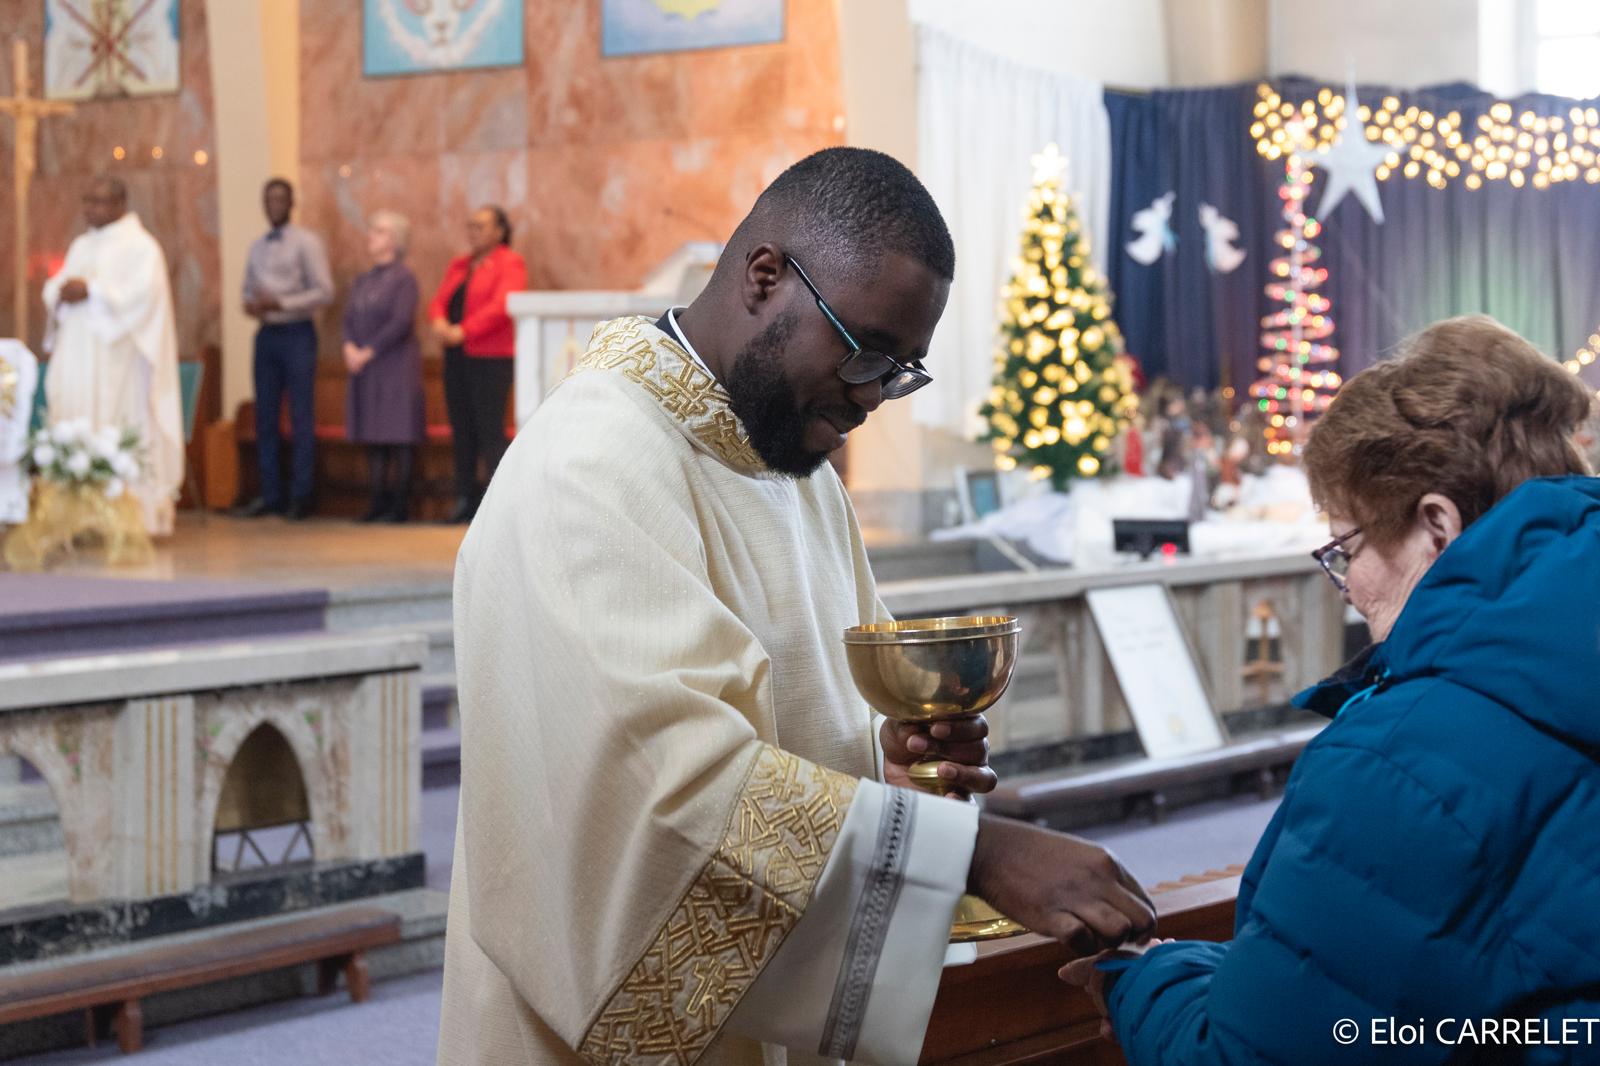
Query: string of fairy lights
1520, 148
1584, 356
1524, 149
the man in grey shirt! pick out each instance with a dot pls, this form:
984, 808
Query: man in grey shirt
286, 281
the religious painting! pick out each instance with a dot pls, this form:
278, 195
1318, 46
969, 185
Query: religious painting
632, 27
110, 49
428, 36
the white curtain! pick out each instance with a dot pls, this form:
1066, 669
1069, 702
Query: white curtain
980, 120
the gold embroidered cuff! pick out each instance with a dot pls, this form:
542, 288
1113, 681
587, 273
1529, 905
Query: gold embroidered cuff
732, 920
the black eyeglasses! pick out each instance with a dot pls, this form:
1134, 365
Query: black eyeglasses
1334, 559
863, 365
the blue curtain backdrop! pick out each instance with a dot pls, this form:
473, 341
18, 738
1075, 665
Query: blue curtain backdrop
1181, 319
1529, 257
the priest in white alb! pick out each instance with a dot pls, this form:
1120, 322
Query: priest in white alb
682, 838
113, 346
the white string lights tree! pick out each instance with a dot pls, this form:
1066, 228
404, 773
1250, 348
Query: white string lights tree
1060, 398
1298, 380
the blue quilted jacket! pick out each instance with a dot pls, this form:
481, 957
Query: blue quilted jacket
1436, 858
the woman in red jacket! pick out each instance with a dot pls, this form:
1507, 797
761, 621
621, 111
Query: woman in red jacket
469, 317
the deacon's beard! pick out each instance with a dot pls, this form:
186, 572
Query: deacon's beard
763, 400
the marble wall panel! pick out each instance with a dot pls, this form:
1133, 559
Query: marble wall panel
607, 166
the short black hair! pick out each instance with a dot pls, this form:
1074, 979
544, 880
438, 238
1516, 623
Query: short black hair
282, 183
114, 186
502, 220
849, 206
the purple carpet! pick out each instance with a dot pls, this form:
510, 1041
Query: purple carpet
48, 615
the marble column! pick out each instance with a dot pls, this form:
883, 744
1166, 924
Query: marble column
384, 735
155, 843
255, 81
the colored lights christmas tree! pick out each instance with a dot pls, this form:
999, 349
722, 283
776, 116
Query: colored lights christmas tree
1298, 380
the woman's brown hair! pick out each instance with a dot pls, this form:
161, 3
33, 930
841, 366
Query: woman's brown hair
1467, 409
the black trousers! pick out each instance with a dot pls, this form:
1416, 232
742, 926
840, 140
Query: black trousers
286, 362
475, 395
389, 472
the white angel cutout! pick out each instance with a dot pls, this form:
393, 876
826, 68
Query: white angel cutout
1155, 232
1221, 254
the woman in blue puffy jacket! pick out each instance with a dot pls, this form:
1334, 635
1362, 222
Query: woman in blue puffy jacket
1429, 889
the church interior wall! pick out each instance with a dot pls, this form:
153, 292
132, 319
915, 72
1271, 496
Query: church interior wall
1376, 41
609, 164
606, 165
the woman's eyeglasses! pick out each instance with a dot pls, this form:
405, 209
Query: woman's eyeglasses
1334, 558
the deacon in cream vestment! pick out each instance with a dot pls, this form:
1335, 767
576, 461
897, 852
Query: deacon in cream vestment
671, 844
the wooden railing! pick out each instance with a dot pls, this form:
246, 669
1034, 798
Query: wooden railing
1011, 1007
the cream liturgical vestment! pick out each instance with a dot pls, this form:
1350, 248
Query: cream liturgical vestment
19, 375
672, 847
114, 356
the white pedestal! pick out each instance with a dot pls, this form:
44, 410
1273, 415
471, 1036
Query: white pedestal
553, 327
553, 330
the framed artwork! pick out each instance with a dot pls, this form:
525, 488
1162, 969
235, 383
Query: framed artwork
429, 36
110, 49
634, 27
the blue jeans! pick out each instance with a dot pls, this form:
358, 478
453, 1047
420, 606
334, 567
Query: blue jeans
286, 362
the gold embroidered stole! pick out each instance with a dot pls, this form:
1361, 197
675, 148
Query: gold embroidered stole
652, 360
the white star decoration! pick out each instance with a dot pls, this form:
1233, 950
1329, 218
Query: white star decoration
1351, 163
1049, 165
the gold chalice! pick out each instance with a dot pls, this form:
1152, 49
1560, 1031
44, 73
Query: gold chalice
933, 669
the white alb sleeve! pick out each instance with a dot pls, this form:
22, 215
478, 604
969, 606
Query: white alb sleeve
857, 976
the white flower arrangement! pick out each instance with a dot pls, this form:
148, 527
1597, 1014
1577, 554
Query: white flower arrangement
71, 453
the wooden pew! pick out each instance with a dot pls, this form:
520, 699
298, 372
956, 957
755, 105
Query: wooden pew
335, 940
1010, 1007
341, 477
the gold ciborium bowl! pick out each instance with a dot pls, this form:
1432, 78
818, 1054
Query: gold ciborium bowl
928, 670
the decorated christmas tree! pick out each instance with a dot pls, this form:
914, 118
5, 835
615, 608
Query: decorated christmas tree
1060, 396
1298, 380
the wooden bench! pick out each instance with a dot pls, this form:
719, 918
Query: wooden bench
334, 940
1036, 797
341, 484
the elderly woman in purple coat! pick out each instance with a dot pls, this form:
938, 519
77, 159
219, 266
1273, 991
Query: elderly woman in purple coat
384, 400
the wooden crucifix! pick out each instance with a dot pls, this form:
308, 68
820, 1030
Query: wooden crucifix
25, 111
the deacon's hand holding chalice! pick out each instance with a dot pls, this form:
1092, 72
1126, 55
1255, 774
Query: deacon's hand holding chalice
932, 679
